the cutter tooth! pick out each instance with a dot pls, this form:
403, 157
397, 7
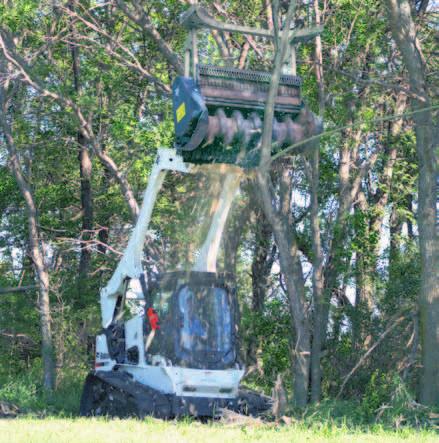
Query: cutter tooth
213, 129
279, 133
295, 131
243, 127
248, 130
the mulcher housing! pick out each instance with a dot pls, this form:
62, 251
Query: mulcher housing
222, 109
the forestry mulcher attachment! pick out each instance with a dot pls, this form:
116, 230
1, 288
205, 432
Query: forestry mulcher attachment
169, 345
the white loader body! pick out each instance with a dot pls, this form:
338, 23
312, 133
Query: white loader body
159, 373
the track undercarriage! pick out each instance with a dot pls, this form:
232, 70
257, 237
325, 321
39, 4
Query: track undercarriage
118, 395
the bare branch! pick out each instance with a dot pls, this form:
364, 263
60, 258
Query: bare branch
267, 134
85, 122
369, 351
133, 64
295, 147
141, 18
17, 289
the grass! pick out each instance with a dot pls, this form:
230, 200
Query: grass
54, 419
79, 430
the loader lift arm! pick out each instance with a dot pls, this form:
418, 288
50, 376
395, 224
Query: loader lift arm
130, 266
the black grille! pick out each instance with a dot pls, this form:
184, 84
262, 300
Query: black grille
246, 75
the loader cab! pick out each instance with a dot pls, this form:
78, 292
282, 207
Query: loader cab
198, 320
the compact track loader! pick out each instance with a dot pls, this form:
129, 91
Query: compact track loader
169, 345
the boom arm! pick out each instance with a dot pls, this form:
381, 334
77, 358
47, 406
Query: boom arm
196, 17
130, 265
209, 251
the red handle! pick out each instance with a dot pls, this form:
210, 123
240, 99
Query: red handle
153, 318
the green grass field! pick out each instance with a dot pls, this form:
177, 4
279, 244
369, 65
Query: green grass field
56, 430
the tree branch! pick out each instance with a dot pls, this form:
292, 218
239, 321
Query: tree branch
14, 290
140, 17
369, 351
85, 123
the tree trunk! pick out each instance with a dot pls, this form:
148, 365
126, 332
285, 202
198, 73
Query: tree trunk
263, 254
319, 61
282, 229
336, 255
36, 248
263, 258
85, 172
374, 211
404, 33
291, 269
47, 353
318, 281
319, 312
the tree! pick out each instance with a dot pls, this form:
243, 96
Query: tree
316, 283
405, 35
85, 166
281, 225
9, 98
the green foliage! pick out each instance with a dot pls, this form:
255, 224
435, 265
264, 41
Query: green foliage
131, 117
272, 332
377, 392
19, 14
403, 288
402, 411
26, 391
8, 190
387, 403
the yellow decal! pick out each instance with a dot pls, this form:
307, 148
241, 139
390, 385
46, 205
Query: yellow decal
181, 112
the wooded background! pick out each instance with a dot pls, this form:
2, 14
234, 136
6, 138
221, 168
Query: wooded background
336, 256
